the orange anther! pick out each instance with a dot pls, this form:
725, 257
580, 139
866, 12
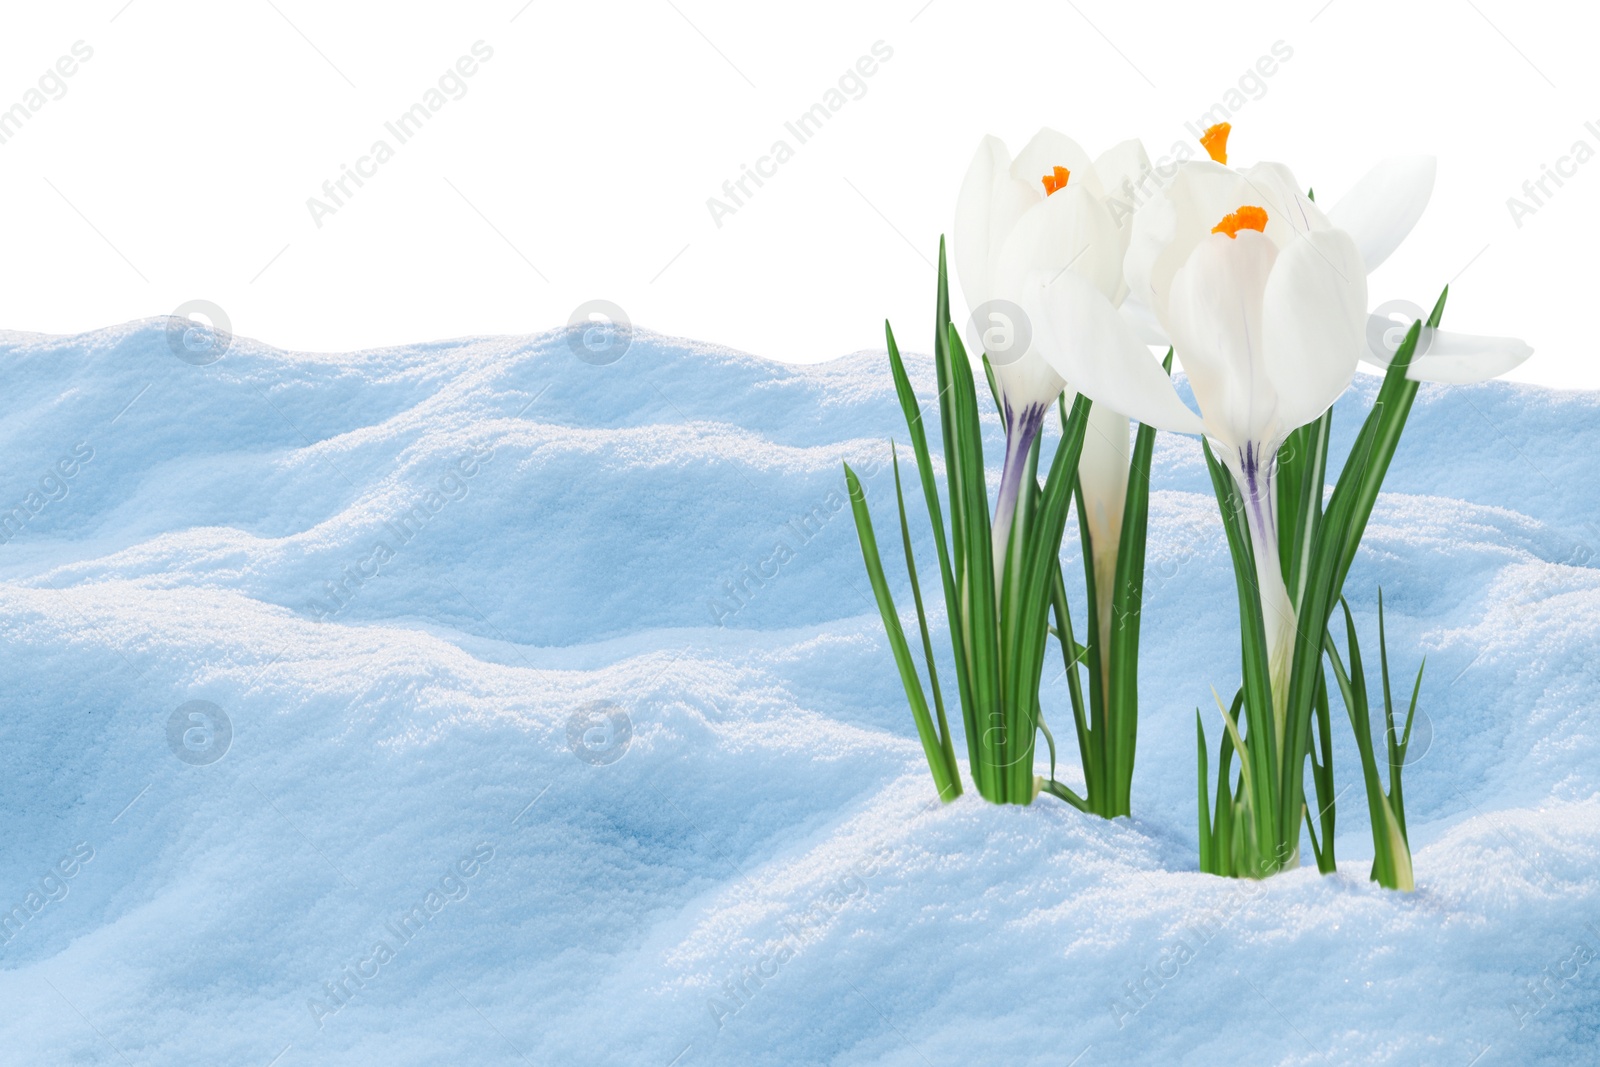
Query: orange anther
1215, 141
1246, 218
1055, 181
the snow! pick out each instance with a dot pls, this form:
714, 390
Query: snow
761, 814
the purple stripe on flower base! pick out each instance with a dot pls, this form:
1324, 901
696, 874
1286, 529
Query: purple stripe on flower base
1257, 464
1021, 429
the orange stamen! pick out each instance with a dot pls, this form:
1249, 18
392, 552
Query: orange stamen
1246, 218
1055, 181
1215, 141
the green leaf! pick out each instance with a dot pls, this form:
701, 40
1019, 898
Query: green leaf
1069, 664
1334, 548
1405, 742
1391, 863
1127, 605
1261, 757
1302, 472
1042, 557
945, 742
1062, 791
1322, 777
1204, 807
1221, 851
948, 789
930, 496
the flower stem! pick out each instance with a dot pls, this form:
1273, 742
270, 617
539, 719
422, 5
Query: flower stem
1255, 468
1021, 429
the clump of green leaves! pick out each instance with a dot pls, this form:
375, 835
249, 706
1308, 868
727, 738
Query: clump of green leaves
1253, 826
998, 632
1391, 864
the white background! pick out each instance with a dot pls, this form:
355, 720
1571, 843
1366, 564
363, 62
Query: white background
178, 163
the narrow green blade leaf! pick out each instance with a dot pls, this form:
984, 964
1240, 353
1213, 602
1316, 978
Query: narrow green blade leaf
1262, 757
1127, 605
1204, 806
931, 746
1334, 548
946, 744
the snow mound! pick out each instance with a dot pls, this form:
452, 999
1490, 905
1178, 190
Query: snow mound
470, 703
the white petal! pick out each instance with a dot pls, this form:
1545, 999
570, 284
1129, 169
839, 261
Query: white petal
1068, 230
1003, 331
1121, 168
988, 207
1215, 318
1171, 224
1027, 382
1463, 358
1122, 163
1103, 474
1289, 210
1103, 485
1153, 229
1142, 321
1050, 149
1384, 205
1314, 324
1086, 341
1455, 358
1168, 227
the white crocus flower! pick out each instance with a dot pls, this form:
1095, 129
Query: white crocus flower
1378, 213
1442, 355
1267, 314
1265, 301
1013, 216
1038, 223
